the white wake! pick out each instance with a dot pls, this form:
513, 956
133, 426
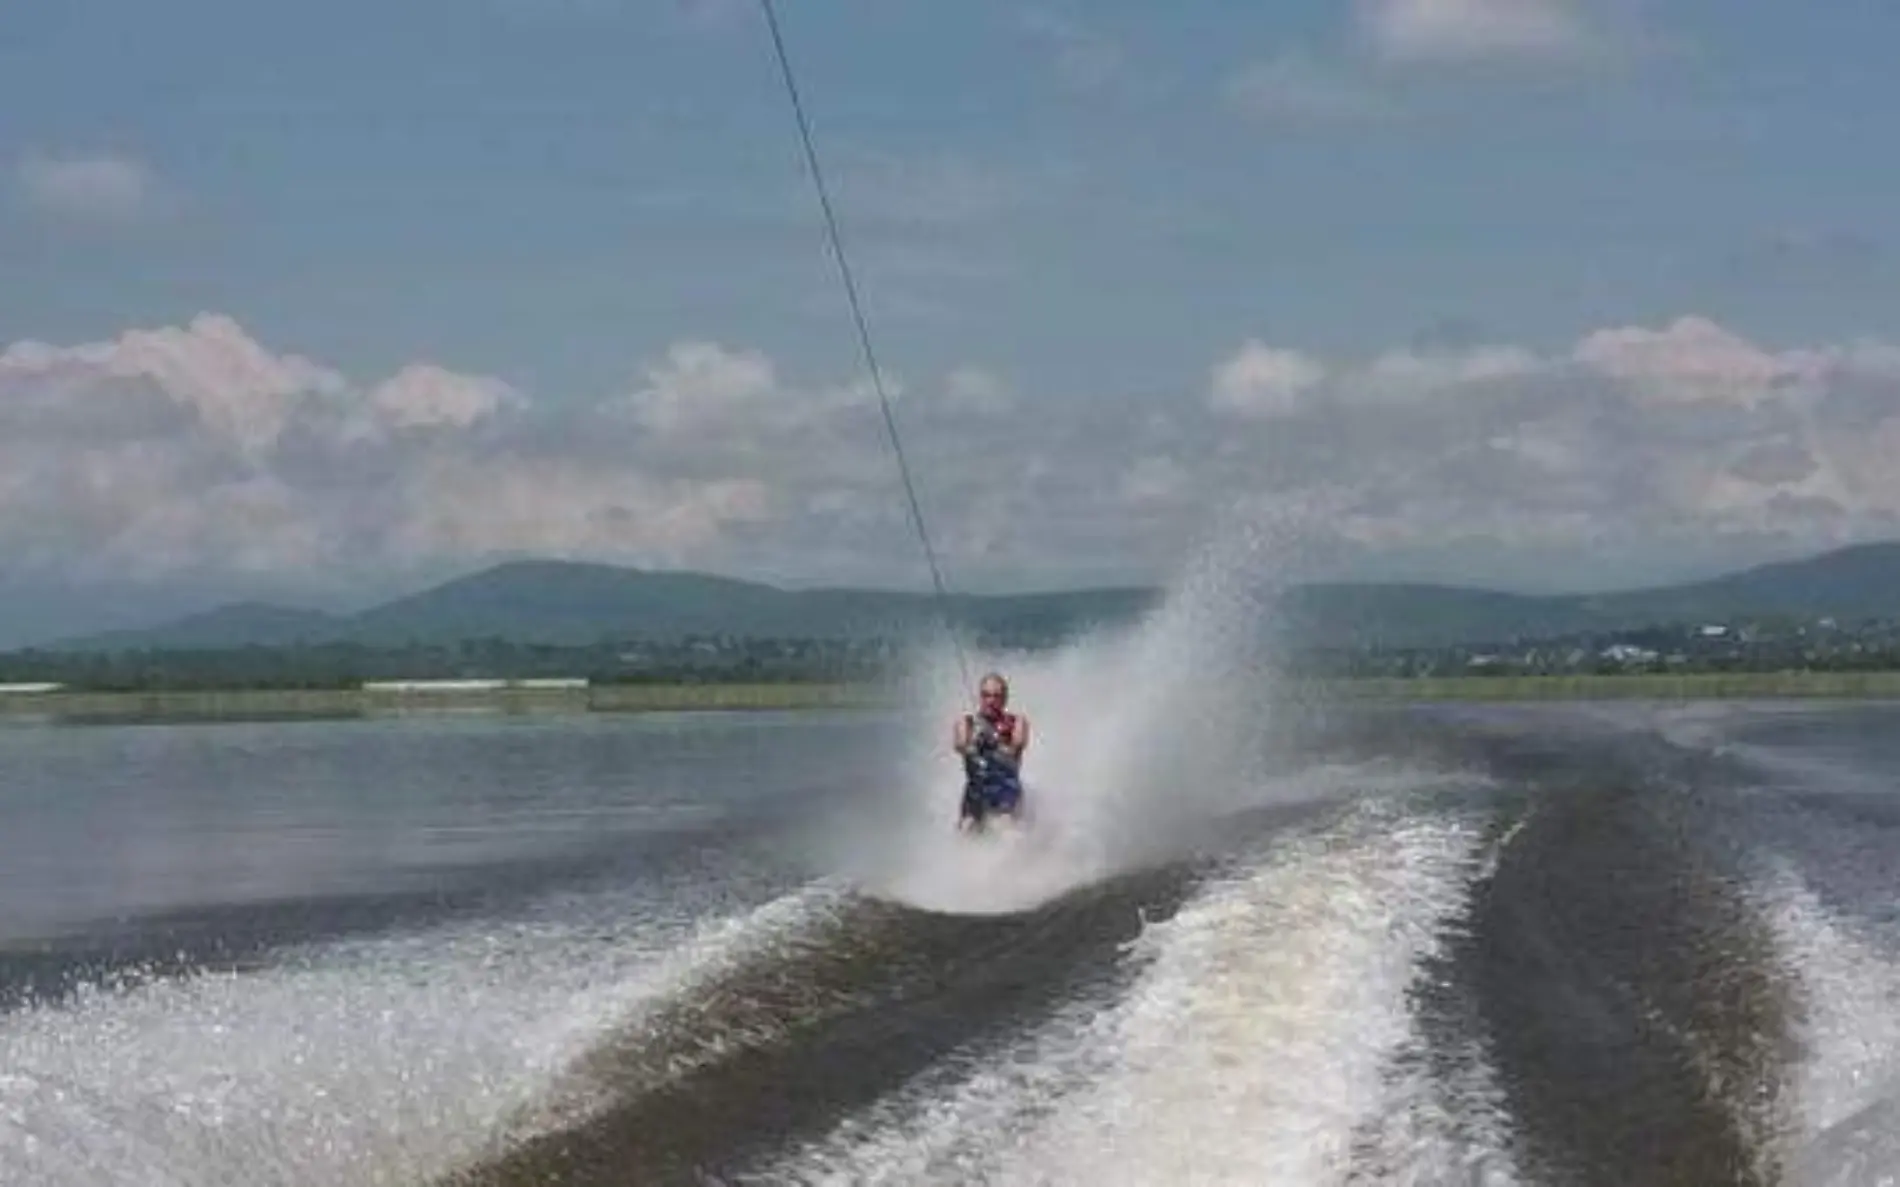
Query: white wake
389, 1061
1254, 1044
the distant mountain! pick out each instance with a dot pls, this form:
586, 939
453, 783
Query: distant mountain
1854, 583
1858, 582
35, 608
238, 624
573, 603
555, 602
562, 602
570, 604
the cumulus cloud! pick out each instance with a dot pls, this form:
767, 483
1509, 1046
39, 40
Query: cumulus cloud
424, 394
702, 387
1264, 381
974, 391
1696, 361
105, 187
1389, 48
198, 451
211, 370
1462, 30
1653, 439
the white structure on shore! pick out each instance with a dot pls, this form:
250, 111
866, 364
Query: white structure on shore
538, 683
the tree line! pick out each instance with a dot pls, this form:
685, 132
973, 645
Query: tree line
348, 665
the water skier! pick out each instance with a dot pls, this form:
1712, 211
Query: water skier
992, 741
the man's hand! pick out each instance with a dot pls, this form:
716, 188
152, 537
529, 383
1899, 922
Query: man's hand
965, 740
1020, 743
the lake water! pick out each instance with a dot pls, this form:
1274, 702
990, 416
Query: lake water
1565, 944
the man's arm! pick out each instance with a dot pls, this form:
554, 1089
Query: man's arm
960, 735
1021, 740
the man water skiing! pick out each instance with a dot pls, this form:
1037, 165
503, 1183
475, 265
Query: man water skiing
992, 741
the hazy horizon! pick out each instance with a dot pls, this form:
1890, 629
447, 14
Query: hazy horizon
40, 617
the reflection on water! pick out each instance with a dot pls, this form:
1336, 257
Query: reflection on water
104, 821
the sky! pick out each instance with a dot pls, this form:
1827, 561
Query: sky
330, 301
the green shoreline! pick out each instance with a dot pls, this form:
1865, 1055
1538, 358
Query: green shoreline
241, 704
272, 704
1652, 686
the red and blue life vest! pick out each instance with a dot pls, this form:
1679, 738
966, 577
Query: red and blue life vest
1003, 725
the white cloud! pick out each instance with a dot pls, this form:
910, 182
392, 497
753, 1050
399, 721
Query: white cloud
423, 394
240, 392
1264, 381
704, 386
974, 391
197, 450
1391, 49
1463, 30
1694, 360
462, 506
1406, 373
103, 187
1657, 443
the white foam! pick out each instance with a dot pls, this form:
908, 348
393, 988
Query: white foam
1252, 1047
374, 1063
1848, 1077
1142, 738
1443, 1121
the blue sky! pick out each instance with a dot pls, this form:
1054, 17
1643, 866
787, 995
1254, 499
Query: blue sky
1087, 208
543, 189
